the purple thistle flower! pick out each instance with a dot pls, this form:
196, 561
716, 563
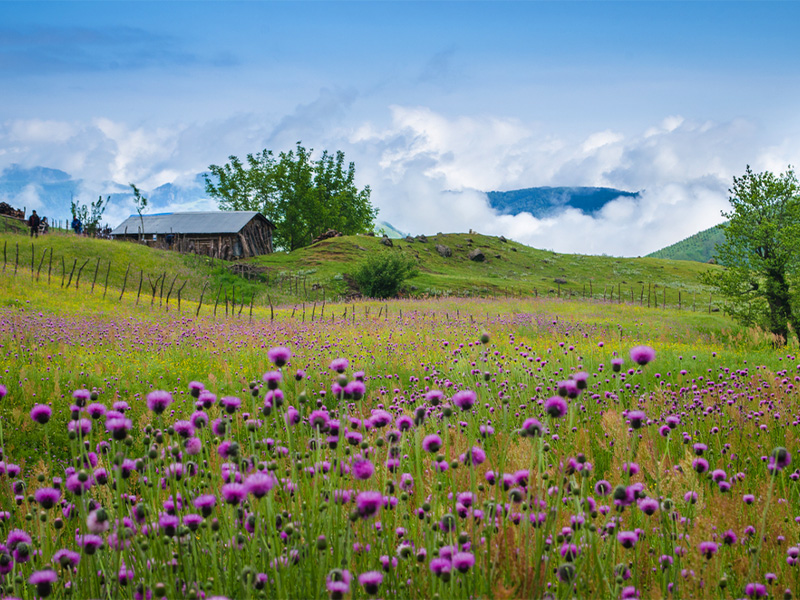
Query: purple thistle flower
355, 390
66, 558
637, 418
318, 419
368, 504
748, 498
43, 580
628, 539
233, 493
193, 446
779, 459
361, 468
404, 423
463, 561
642, 355
339, 365
568, 389
666, 562
371, 582
192, 521
279, 356
168, 524
602, 488
77, 484
230, 404
616, 364
465, 399
629, 593
532, 428
699, 449
708, 549
3, 391
729, 537
259, 484
648, 505
47, 497
90, 543
41, 413
434, 397
475, 456
199, 419
272, 379
380, 418
195, 387
292, 417
440, 566
185, 429
158, 401
205, 504
755, 590
207, 399
82, 426
119, 427
556, 407
81, 397
431, 443
96, 410
700, 465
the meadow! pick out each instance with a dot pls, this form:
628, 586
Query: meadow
440, 448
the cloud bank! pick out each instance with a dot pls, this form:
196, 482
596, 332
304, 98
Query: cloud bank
428, 171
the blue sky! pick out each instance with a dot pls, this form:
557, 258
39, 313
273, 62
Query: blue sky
435, 101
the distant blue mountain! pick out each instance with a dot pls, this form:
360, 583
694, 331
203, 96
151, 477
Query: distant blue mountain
547, 201
54, 191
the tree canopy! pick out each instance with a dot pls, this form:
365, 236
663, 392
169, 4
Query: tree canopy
761, 252
304, 198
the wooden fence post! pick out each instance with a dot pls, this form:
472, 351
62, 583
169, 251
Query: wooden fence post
74, 264
180, 289
78, 279
96, 269
202, 293
219, 291
41, 262
105, 287
49, 265
33, 253
16, 260
271, 313
139, 291
252, 299
5, 245
170, 290
125, 281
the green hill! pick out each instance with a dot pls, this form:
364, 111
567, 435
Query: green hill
321, 272
699, 247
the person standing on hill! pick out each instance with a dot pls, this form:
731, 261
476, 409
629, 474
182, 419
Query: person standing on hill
33, 223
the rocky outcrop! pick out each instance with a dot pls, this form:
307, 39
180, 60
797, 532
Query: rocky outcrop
444, 251
331, 233
476, 255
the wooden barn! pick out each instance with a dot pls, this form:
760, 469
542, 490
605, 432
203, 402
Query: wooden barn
227, 235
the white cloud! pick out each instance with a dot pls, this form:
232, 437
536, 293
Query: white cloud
425, 168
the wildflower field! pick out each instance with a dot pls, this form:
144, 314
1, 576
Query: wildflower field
439, 449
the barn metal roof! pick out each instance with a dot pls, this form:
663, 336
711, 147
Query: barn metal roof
189, 222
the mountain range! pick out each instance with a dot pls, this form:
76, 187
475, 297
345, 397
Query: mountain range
50, 192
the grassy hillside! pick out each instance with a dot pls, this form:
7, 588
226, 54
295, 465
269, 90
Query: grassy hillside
699, 247
320, 272
508, 268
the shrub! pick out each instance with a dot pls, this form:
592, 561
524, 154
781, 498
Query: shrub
382, 274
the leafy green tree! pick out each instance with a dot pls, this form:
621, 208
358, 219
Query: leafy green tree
382, 274
140, 202
761, 252
304, 198
90, 215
